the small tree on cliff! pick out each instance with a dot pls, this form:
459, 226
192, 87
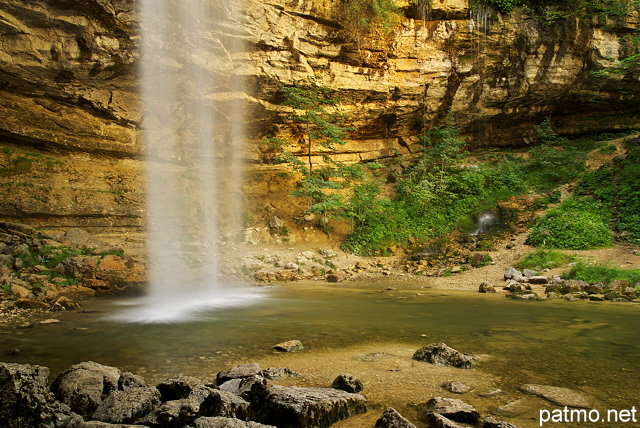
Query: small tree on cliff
317, 130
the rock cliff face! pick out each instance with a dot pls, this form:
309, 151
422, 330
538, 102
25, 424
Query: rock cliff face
70, 119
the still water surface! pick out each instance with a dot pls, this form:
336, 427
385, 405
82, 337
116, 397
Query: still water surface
593, 347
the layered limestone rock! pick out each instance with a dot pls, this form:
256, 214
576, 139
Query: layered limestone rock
69, 88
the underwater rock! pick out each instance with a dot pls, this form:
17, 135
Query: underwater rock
390, 418
441, 354
289, 346
523, 296
457, 387
348, 383
557, 395
308, 407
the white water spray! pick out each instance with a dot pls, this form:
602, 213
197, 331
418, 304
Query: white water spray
193, 135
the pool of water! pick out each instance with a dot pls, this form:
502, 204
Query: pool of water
589, 346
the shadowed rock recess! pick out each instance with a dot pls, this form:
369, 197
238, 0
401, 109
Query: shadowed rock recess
68, 86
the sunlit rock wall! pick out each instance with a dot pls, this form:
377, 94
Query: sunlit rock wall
68, 89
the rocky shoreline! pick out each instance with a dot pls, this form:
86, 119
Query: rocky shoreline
48, 271
92, 395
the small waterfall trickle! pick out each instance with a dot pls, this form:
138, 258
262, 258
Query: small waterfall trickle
192, 128
423, 10
486, 222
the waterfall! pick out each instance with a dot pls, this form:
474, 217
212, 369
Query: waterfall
486, 222
192, 131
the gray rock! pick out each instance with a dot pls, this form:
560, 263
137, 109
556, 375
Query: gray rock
558, 395
486, 287
98, 424
523, 296
276, 222
129, 380
309, 407
289, 346
528, 273
538, 279
278, 372
223, 403
243, 370
123, 407
84, 386
457, 387
348, 383
494, 423
514, 274
222, 422
335, 277
390, 418
328, 253
452, 408
515, 287
251, 388
25, 399
172, 414
178, 387
436, 420
441, 354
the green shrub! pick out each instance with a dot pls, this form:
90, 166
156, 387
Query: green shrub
545, 259
601, 273
576, 224
433, 196
617, 188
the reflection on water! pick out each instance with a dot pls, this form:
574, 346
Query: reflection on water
586, 345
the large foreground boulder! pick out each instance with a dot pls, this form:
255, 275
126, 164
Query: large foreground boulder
221, 422
178, 387
441, 354
126, 407
84, 386
308, 407
25, 399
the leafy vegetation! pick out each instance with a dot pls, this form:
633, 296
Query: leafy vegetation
318, 131
545, 259
577, 224
374, 19
617, 188
603, 273
434, 195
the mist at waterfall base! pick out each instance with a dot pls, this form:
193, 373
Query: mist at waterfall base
192, 129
